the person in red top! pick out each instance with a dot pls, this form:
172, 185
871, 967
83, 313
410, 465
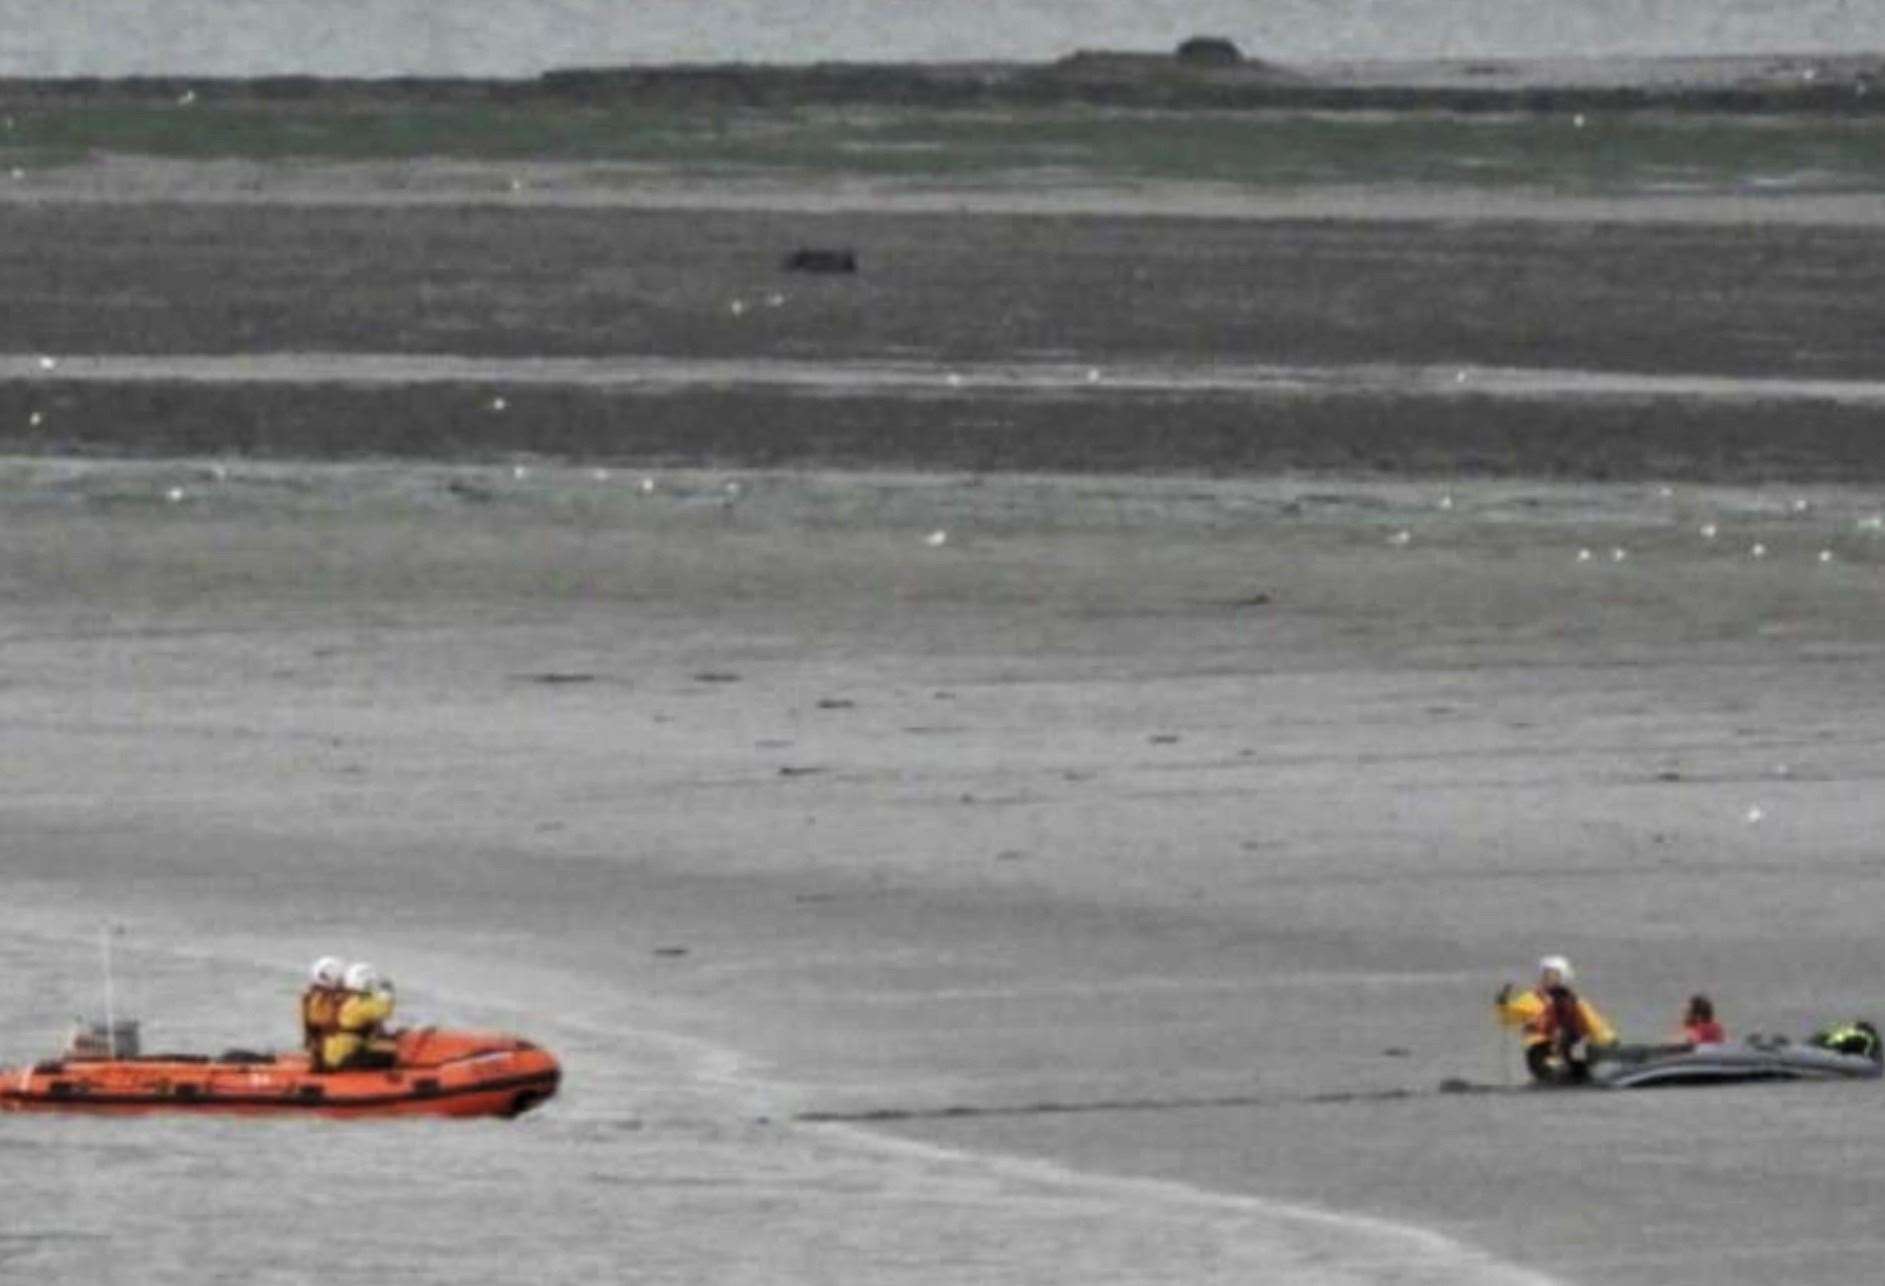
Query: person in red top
1698, 1023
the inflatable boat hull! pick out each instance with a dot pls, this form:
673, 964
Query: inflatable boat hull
1728, 1064
436, 1073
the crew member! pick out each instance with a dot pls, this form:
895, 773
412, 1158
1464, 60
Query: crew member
320, 1006
1699, 1026
360, 1038
1558, 1027
1858, 1037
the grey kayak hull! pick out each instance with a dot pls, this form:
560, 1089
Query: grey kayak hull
1727, 1064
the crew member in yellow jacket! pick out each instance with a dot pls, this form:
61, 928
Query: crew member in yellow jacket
320, 1006
359, 1038
1557, 1026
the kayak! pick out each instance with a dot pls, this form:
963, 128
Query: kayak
1771, 1060
434, 1073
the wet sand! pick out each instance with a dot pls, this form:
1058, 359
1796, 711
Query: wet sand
973, 379
114, 180
1151, 794
971, 874
1461, 345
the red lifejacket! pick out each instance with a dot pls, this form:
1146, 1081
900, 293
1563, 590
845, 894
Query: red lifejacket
1562, 1022
1708, 1032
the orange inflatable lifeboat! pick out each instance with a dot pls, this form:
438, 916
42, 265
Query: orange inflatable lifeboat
435, 1073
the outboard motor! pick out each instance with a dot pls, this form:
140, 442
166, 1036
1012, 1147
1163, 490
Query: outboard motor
119, 1039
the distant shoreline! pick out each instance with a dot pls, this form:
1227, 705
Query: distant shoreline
1754, 84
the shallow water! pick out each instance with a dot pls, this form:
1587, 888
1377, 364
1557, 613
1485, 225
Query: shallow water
522, 37
929, 377
662, 1161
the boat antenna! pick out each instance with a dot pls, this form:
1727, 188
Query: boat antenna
105, 933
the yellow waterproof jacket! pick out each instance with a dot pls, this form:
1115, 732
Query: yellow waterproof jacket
1529, 1012
320, 1017
360, 1018
320, 1010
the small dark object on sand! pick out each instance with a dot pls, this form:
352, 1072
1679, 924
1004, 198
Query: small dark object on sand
1163, 738
794, 770
836, 703
1454, 1085
817, 259
1209, 51
1396, 1051
671, 952
561, 676
716, 676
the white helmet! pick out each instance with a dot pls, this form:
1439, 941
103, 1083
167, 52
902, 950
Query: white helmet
327, 971
1558, 965
362, 977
